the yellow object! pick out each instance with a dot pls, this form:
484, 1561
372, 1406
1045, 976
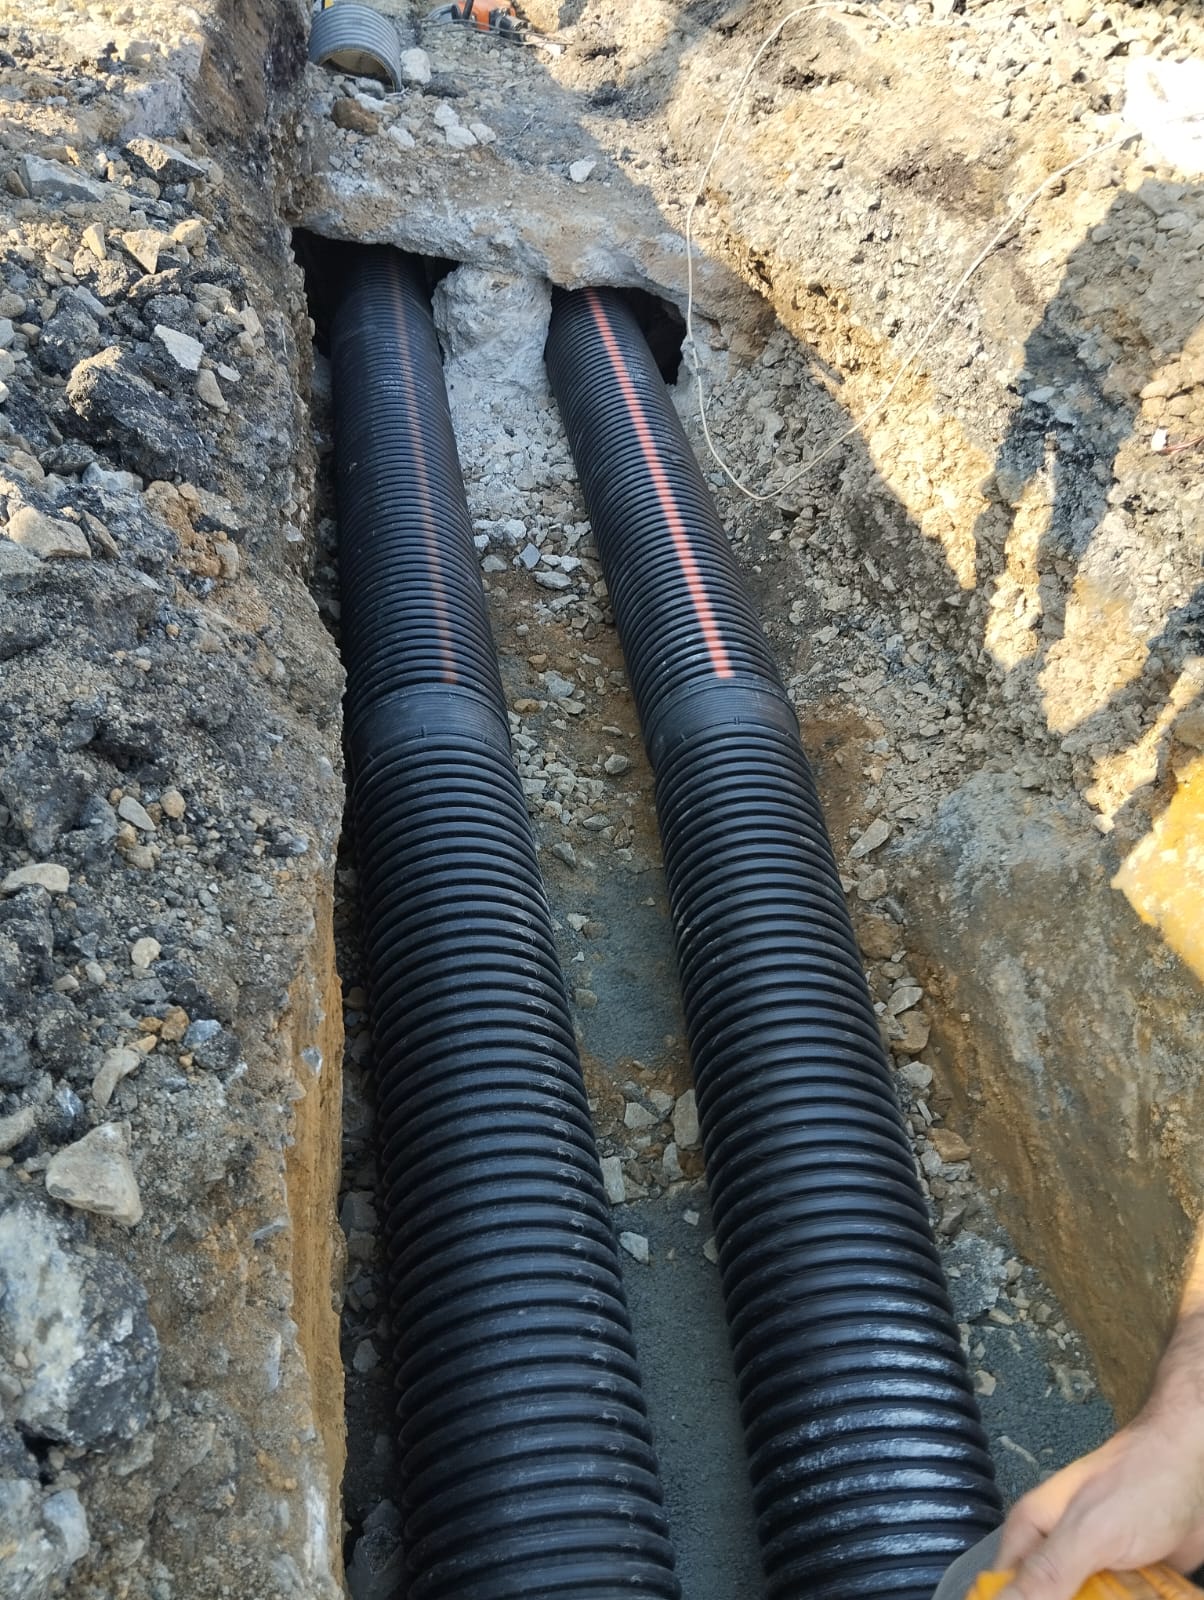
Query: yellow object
1163, 877
1147, 1583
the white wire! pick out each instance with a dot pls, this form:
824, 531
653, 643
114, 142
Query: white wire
921, 344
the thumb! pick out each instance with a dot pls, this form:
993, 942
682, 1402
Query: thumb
1057, 1567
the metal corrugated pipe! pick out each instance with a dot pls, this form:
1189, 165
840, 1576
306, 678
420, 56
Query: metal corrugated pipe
526, 1455
869, 1463
357, 40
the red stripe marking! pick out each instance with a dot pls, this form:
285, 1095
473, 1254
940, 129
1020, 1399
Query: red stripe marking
430, 525
664, 493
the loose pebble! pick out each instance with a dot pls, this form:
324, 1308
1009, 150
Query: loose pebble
638, 1117
131, 810
117, 1064
873, 838
50, 538
183, 349
613, 1180
46, 875
636, 1246
209, 392
144, 245
903, 998
415, 66
916, 1073
94, 1174
144, 953
949, 1146
686, 1132
15, 1127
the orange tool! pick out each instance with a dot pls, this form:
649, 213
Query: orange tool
1147, 1583
482, 16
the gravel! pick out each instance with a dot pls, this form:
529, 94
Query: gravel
169, 800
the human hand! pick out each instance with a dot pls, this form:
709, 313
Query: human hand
1137, 1500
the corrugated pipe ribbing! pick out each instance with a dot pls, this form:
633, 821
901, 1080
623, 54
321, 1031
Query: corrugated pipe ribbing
527, 1460
356, 39
869, 1463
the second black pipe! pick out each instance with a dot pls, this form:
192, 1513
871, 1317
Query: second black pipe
869, 1464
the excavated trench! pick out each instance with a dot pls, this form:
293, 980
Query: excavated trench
573, 717
982, 600
993, 713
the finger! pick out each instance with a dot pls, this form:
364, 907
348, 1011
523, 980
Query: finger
1189, 1554
1033, 1518
1022, 1533
1058, 1566
1037, 1513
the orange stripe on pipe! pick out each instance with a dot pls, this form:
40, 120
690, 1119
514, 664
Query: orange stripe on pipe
430, 526
664, 493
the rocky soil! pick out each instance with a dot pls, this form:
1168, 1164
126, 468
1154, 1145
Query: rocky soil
170, 801
985, 602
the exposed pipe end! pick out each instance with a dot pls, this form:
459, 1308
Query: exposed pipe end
357, 40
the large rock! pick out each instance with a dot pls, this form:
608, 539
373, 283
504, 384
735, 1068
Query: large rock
52, 180
94, 1174
80, 1323
43, 798
48, 538
153, 159
489, 320
71, 334
1069, 1038
42, 1536
115, 405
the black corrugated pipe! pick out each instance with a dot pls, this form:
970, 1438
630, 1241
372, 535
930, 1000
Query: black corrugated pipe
869, 1463
527, 1459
